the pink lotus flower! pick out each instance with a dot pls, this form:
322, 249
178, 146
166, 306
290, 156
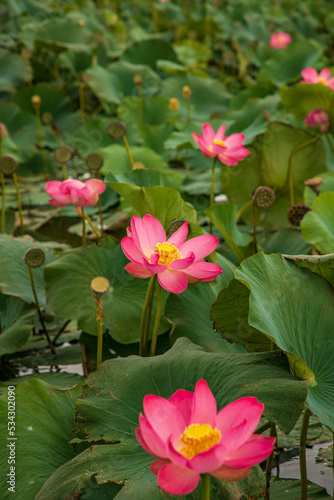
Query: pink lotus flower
176, 262
280, 40
81, 194
316, 118
188, 437
229, 150
310, 75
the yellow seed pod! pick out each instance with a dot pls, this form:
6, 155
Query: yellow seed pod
99, 286
300, 369
138, 80
81, 22
138, 165
36, 101
186, 92
174, 104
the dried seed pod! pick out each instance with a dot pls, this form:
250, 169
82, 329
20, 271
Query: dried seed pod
99, 286
26, 53
3, 132
36, 101
296, 214
174, 104
314, 184
62, 154
138, 165
263, 197
94, 161
34, 257
8, 165
47, 118
174, 226
116, 129
186, 92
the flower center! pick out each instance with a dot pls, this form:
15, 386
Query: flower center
322, 80
167, 253
219, 142
198, 438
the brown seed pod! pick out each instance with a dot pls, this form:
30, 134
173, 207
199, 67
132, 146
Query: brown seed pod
296, 214
314, 184
34, 257
116, 129
94, 161
174, 226
8, 165
36, 101
62, 154
263, 197
99, 286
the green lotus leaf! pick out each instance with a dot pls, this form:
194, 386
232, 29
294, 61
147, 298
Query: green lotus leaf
318, 225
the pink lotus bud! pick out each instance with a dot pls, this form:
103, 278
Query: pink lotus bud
316, 118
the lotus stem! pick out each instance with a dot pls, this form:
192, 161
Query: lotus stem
83, 228
41, 140
99, 339
90, 222
126, 144
269, 464
140, 105
144, 317
243, 208
56, 72
262, 428
291, 165
212, 192
82, 102
19, 202
39, 310
188, 110
156, 322
148, 320
254, 227
3, 206
302, 454
205, 486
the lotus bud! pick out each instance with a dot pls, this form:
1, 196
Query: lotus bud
116, 129
3, 132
